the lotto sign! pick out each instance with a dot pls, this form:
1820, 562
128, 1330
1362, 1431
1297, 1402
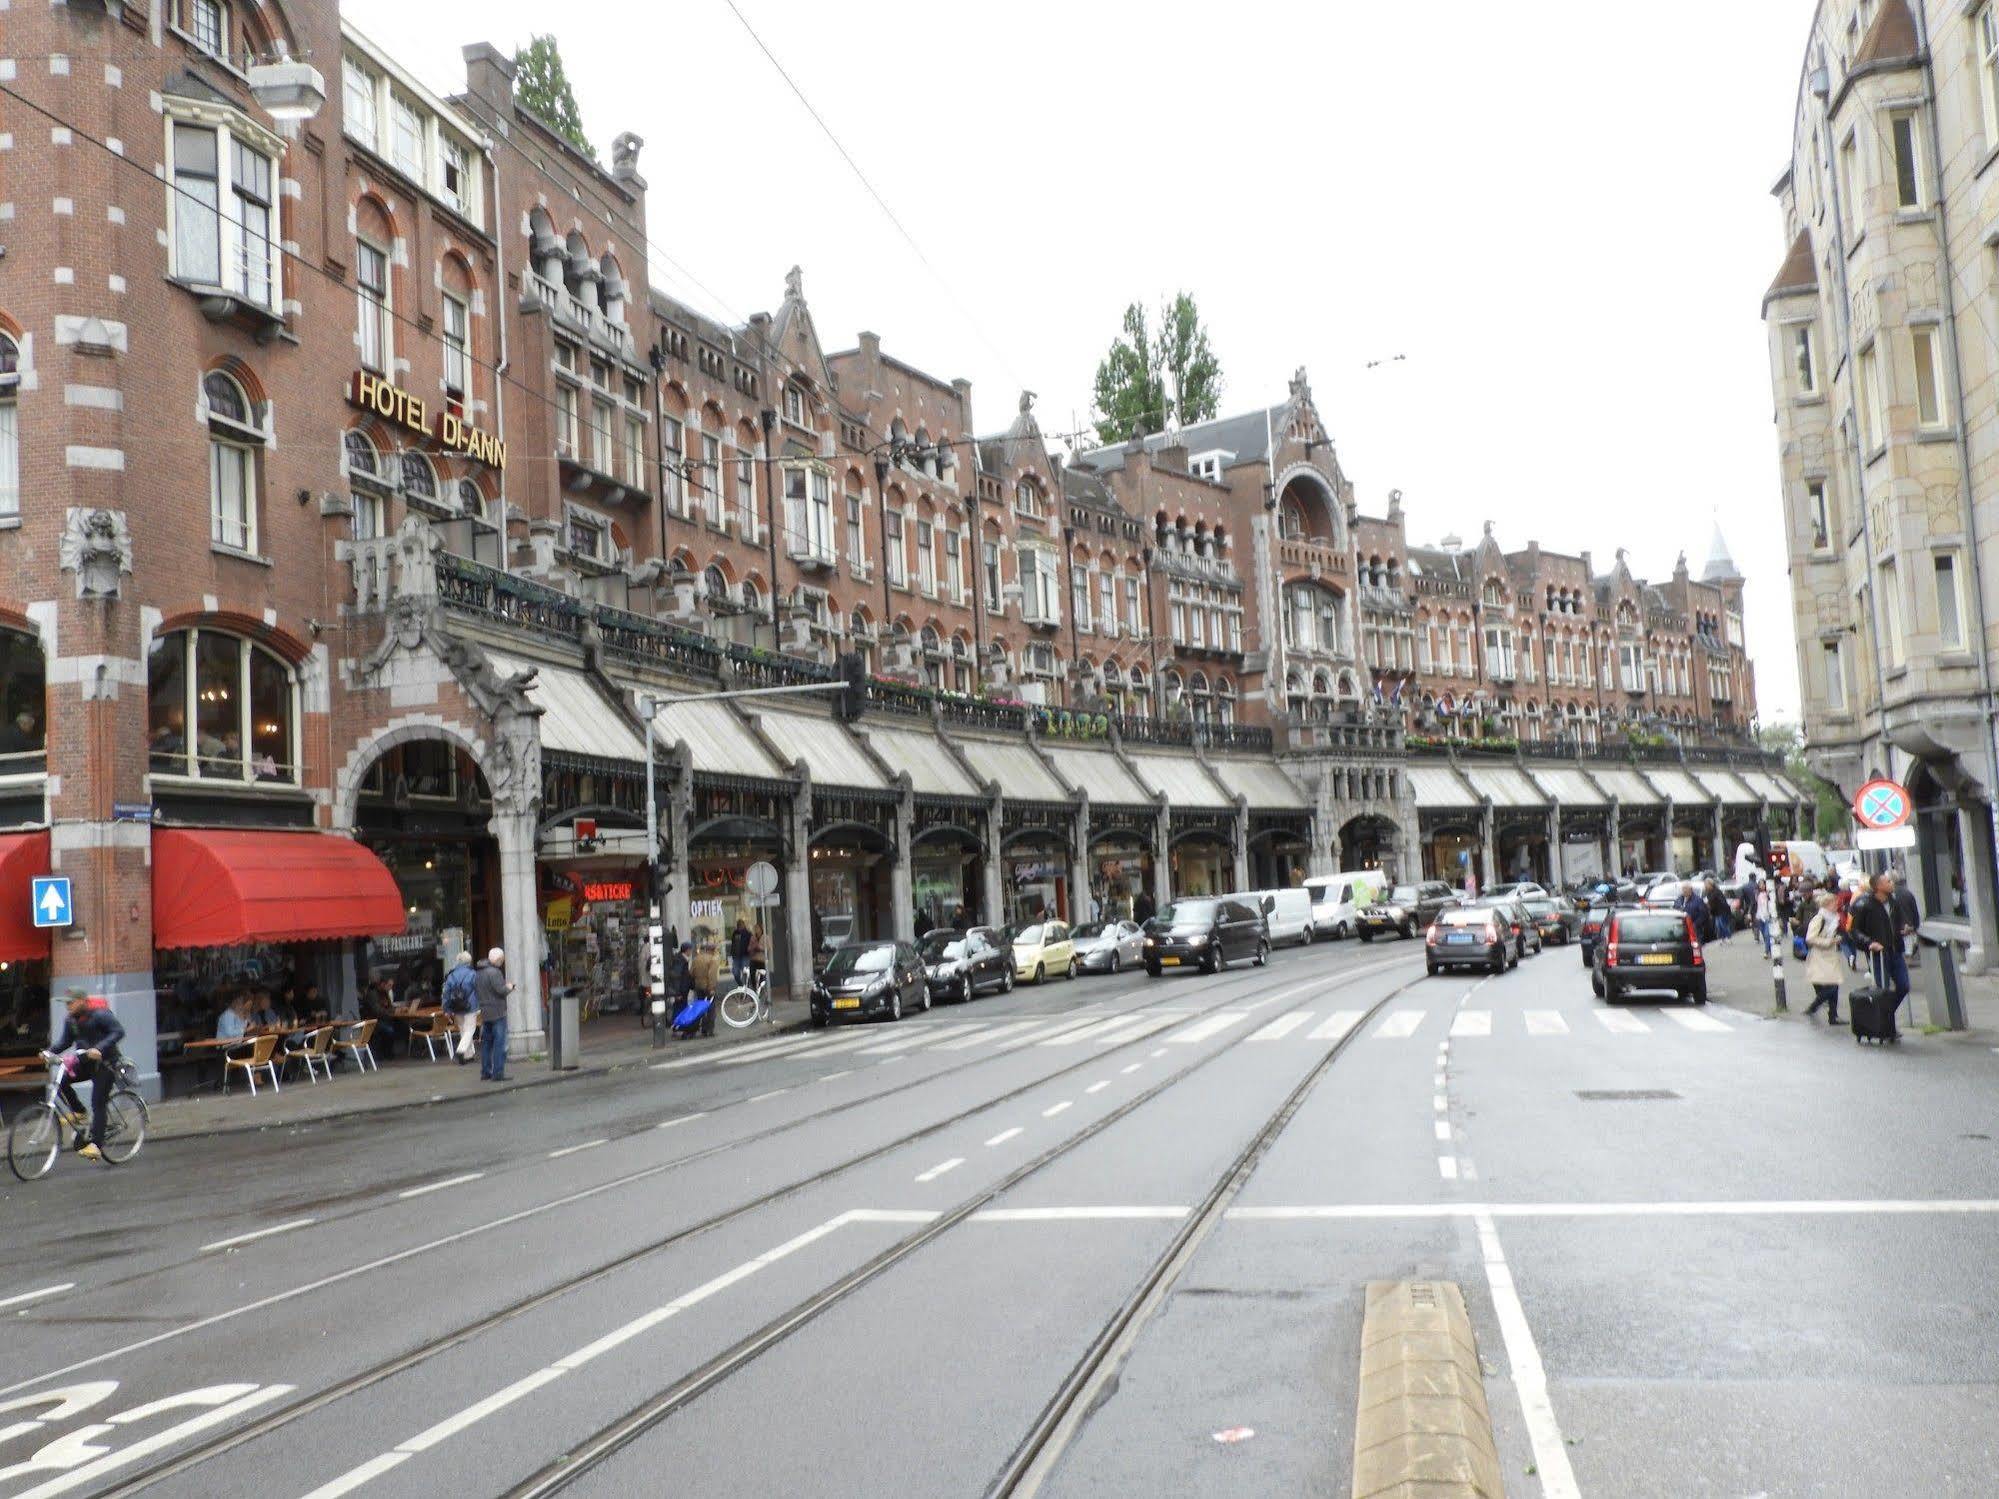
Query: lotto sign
1881, 804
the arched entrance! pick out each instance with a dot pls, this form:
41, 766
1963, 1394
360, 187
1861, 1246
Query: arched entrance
1034, 870
1120, 873
852, 867
944, 878
1369, 841
1203, 863
1279, 857
1521, 850
591, 875
721, 851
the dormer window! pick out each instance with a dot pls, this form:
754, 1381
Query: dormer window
794, 406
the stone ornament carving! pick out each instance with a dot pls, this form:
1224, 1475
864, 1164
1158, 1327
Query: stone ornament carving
97, 546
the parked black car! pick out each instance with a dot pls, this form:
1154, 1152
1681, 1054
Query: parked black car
1648, 949
1590, 923
957, 965
1470, 937
870, 978
1603, 893
1552, 920
1404, 910
1525, 936
1207, 933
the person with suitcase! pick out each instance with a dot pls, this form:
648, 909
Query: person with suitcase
1874, 927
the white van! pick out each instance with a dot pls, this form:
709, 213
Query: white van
1287, 914
1337, 899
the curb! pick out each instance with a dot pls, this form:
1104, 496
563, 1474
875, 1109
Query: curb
1423, 1427
541, 1080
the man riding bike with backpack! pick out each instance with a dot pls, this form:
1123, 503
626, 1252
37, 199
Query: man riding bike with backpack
92, 1030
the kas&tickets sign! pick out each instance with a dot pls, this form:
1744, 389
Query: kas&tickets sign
451, 431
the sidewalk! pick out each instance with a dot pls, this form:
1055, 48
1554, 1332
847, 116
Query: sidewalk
613, 1044
1738, 967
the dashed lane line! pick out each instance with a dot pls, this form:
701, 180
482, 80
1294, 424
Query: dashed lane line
941, 1168
449, 1181
250, 1238
556, 1155
1003, 1136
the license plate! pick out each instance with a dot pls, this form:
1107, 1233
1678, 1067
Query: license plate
1169, 962
1655, 959
1464, 939
846, 1004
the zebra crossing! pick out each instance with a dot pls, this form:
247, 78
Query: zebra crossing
1090, 1031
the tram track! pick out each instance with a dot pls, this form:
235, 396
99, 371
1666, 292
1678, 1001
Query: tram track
285, 1416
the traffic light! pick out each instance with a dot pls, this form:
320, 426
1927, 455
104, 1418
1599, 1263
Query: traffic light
656, 958
854, 688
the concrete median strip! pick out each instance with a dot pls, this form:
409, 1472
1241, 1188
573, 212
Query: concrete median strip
1423, 1428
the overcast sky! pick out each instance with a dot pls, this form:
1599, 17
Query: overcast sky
1559, 212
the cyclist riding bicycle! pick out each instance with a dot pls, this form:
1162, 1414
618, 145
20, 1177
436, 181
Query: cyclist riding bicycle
93, 1032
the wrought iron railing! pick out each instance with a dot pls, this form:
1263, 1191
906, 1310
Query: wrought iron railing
477, 589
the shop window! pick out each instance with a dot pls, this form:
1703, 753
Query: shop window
10, 432
233, 443
23, 705
240, 699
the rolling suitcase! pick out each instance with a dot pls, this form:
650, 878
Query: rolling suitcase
1872, 1010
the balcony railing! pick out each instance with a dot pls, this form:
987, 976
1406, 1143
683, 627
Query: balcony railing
1347, 738
574, 313
474, 588
1314, 553
753, 667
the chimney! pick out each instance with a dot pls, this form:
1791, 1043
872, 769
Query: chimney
871, 348
1172, 456
489, 77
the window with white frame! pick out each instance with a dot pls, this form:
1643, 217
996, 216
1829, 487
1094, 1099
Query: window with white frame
1107, 602
457, 347
926, 557
1950, 602
371, 295
588, 536
600, 438
990, 560
420, 481
1927, 343
220, 707
1889, 597
857, 536
1817, 516
1043, 602
673, 445
359, 117
897, 560
1985, 43
794, 406
1131, 611
206, 22
1499, 653
1867, 391
635, 450
746, 493
565, 419
405, 137
234, 437
1906, 152
1079, 596
221, 202
1832, 656
10, 429
1804, 358
454, 173
954, 565
1027, 499
711, 475
808, 505
367, 489
1630, 670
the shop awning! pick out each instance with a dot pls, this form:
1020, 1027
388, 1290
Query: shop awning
1267, 788
920, 755
216, 887
718, 742
576, 718
1017, 769
828, 750
1506, 786
1681, 789
1727, 789
1626, 785
23, 856
1181, 778
1768, 787
1098, 773
1569, 788
1438, 786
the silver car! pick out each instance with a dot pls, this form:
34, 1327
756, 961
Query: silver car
1108, 946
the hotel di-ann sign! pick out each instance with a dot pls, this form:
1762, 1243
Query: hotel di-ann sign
449, 430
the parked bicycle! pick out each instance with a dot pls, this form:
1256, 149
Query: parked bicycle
746, 1004
36, 1137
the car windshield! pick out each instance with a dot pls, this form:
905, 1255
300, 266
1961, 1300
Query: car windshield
876, 958
1541, 907
1402, 895
1187, 913
1028, 936
1466, 916
1662, 927
1091, 929
939, 946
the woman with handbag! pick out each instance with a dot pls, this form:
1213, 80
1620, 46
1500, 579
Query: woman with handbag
1822, 965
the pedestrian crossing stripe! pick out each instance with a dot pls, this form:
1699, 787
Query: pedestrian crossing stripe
1283, 1026
1472, 1023
1401, 1024
1214, 1025
1336, 1025
1545, 1023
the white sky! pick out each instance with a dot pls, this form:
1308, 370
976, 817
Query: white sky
1559, 212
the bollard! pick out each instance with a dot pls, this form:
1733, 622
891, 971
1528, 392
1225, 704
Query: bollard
1777, 982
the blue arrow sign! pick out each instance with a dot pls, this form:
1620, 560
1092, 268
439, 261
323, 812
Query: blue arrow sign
49, 896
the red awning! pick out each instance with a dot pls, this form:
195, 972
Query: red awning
213, 887
22, 857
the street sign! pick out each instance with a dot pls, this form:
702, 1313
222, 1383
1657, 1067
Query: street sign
760, 879
131, 811
1902, 837
48, 895
1881, 803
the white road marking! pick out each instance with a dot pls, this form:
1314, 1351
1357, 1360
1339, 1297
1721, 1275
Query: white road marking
1546, 1023
1101, 1030
1437, 1080
843, 1072
923, 1037
1336, 1025
1472, 1023
1283, 1026
1074, 1215
1052, 1110
1830, 1208
42, 1295
760, 1097
1098, 1087
225, 1403
1158, 1054
1447, 1167
679, 1120
1202, 1030
747, 1052
1399, 1025
1444, 1131
1003, 1136
1127, 1071
1530, 1380
1440, 1103
1009, 1031
940, 1168
1697, 1020
1620, 1023
759, 1051
885, 1061
449, 1181
262, 1233
556, 1155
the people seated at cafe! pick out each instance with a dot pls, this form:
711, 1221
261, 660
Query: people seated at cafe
265, 1014
378, 1004
234, 1021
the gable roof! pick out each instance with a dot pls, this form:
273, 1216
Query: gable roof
1798, 274
1891, 39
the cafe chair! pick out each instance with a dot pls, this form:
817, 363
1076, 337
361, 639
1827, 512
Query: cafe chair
254, 1058
313, 1050
360, 1045
438, 1028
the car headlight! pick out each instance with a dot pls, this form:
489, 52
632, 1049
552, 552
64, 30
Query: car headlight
1397, 912
877, 987
1199, 939
1151, 941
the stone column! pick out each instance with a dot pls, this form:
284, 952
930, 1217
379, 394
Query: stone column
1241, 841
797, 880
1486, 853
1724, 857
513, 775
1981, 899
991, 884
902, 891
1669, 826
1162, 854
1558, 863
677, 823
1079, 861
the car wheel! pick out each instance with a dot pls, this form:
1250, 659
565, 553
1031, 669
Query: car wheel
1367, 936
1596, 983
924, 1003
1006, 982
1404, 929
1075, 968
1306, 941
1152, 970
1262, 953
895, 1005
1116, 961
1211, 961
1611, 993
1699, 993
1040, 973
1341, 932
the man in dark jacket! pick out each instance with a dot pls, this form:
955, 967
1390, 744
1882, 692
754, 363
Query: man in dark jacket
1881, 922
1697, 912
489, 979
460, 998
92, 1029
739, 951
679, 978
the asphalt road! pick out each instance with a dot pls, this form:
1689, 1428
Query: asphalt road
1705, 1254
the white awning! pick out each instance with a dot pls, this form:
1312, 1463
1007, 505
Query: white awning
1626, 786
1726, 788
1019, 771
1438, 786
1791, 791
1769, 787
827, 749
1099, 773
1505, 785
1181, 778
1681, 789
921, 755
718, 742
576, 718
1569, 788
1265, 785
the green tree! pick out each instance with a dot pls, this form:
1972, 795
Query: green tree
1143, 382
1831, 818
542, 86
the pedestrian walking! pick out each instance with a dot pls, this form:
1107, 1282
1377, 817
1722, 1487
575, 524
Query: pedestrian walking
739, 951
490, 981
1881, 922
1718, 912
1697, 911
679, 977
1765, 906
460, 998
1822, 968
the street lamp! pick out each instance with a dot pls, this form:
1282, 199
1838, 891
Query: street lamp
287, 89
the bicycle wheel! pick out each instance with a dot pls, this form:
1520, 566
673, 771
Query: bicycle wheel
125, 1122
739, 1008
33, 1142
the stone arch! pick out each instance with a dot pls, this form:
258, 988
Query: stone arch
348, 775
